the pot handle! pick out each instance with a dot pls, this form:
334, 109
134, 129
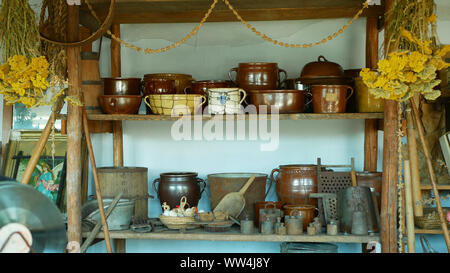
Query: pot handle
279, 77
311, 99
148, 103
270, 204
204, 184
244, 95
318, 212
229, 74
351, 92
272, 180
322, 59
157, 180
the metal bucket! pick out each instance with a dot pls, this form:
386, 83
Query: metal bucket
120, 217
222, 183
308, 248
354, 199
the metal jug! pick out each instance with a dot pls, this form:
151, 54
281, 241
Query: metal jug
354, 199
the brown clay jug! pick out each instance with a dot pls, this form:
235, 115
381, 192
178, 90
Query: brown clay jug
294, 183
257, 76
172, 186
330, 98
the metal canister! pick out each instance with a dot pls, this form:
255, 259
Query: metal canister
269, 212
332, 228
267, 227
311, 229
294, 225
247, 226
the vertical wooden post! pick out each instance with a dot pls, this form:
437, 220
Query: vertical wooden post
116, 71
409, 209
371, 125
74, 123
7, 123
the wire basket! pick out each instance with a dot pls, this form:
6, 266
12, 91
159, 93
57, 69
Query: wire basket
177, 104
430, 218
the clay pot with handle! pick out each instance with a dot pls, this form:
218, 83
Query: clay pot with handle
257, 76
330, 98
295, 182
173, 186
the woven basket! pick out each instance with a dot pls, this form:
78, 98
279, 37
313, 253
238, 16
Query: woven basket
175, 104
430, 218
175, 222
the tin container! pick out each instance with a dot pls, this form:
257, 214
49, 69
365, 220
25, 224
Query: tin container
294, 225
269, 212
268, 227
247, 226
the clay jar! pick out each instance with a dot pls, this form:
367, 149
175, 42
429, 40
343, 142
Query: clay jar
201, 87
307, 212
330, 98
295, 182
173, 186
367, 103
257, 76
159, 86
121, 86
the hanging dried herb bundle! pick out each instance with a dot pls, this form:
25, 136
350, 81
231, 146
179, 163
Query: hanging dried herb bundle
19, 34
415, 16
53, 23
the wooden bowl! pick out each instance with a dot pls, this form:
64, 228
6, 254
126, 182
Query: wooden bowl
112, 104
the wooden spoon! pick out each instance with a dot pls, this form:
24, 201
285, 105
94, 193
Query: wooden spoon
234, 202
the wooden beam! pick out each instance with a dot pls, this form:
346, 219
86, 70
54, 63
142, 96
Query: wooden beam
74, 123
371, 125
116, 71
141, 12
7, 123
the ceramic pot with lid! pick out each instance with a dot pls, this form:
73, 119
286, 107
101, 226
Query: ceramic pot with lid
323, 72
257, 76
174, 185
330, 98
295, 182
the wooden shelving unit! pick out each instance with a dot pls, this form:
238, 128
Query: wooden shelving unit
182, 11
245, 117
237, 236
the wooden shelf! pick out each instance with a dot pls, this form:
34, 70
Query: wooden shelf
440, 187
428, 231
179, 11
246, 117
235, 235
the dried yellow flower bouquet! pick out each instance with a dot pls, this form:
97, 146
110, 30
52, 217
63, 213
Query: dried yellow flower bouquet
404, 73
24, 81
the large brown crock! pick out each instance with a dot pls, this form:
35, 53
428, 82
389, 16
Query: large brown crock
257, 76
295, 182
330, 98
174, 185
287, 101
122, 86
182, 81
158, 86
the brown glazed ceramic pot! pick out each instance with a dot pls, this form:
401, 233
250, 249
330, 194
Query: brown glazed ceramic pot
201, 87
122, 86
322, 69
373, 181
308, 212
159, 86
172, 186
330, 98
295, 182
257, 76
182, 81
111, 104
288, 101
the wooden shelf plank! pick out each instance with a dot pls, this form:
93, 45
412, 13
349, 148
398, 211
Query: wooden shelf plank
428, 231
180, 11
440, 187
246, 117
235, 235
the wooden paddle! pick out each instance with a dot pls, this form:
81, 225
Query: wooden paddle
234, 202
